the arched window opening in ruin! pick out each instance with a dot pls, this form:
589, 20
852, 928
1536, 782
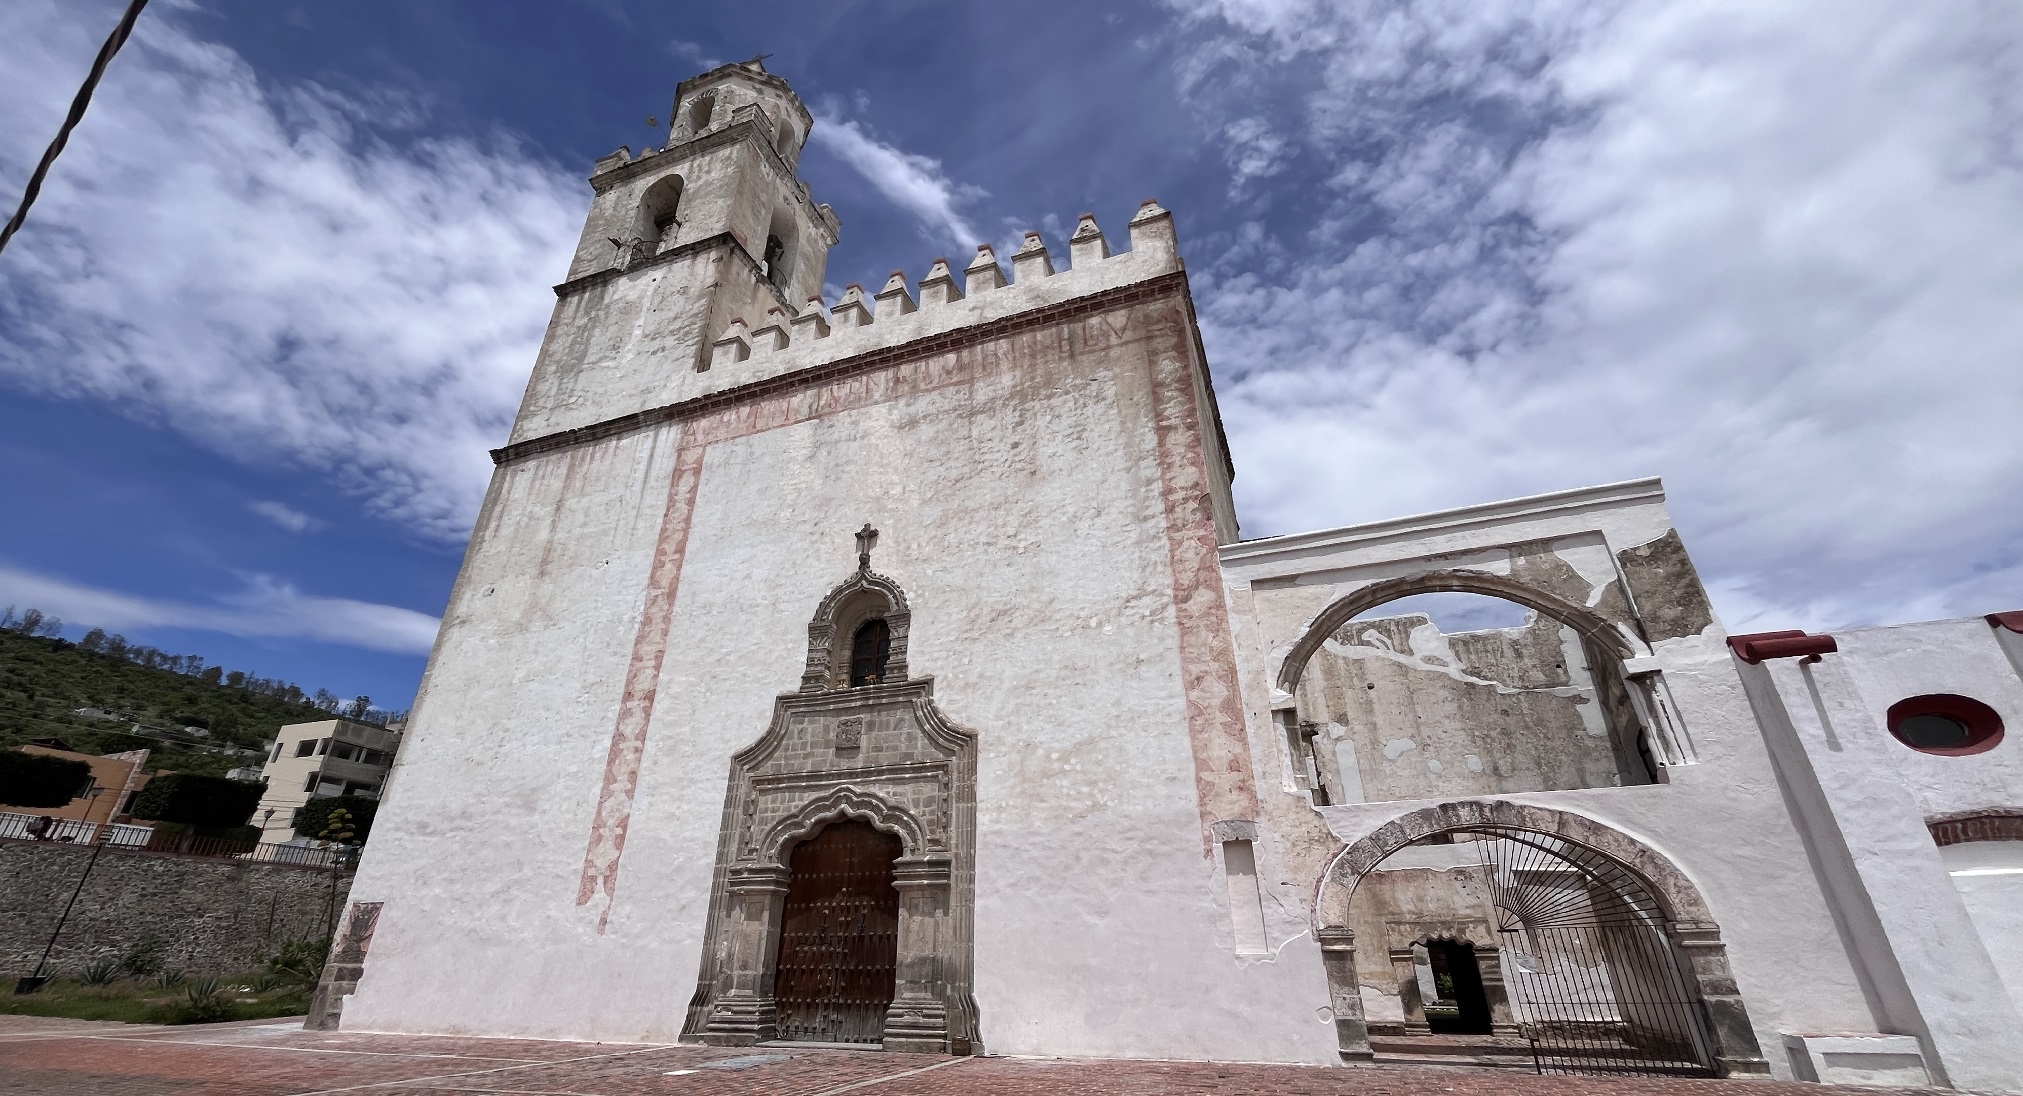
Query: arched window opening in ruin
659, 209
699, 113
1495, 933
870, 647
785, 144
1439, 695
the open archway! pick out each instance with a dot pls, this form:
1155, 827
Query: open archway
1618, 965
1396, 704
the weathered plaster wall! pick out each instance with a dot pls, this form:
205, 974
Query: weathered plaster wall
1430, 888
1409, 712
211, 916
1040, 500
1722, 819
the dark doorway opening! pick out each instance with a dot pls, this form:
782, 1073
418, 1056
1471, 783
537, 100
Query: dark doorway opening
839, 937
1459, 976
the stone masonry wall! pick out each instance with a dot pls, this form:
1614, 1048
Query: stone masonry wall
213, 916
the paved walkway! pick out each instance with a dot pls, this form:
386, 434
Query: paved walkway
47, 1057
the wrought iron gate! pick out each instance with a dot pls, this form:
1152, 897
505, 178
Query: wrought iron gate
1595, 983
839, 937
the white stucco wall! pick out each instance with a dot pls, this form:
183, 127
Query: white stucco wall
1963, 657
1022, 512
1989, 877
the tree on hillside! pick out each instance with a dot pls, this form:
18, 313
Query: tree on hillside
359, 706
93, 641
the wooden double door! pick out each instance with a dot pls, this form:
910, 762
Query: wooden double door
839, 937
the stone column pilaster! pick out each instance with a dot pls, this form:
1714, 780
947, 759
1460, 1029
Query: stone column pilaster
1345, 993
744, 1012
1490, 961
1735, 1051
918, 1019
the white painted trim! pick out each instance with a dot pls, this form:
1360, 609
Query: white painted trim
1273, 549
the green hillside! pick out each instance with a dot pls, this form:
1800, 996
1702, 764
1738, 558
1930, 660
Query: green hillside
45, 679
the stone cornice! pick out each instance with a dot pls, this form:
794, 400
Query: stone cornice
1174, 283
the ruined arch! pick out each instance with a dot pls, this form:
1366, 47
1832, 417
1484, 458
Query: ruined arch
1581, 619
1546, 706
1587, 843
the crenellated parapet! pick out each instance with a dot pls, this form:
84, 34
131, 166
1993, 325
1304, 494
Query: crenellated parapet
752, 347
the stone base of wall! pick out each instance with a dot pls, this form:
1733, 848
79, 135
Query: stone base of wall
212, 916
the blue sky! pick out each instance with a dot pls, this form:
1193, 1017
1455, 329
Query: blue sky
284, 288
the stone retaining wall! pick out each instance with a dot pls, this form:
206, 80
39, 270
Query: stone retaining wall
213, 916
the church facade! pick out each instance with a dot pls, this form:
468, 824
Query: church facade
891, 671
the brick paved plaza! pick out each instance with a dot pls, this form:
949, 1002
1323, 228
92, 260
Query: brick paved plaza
53, 1057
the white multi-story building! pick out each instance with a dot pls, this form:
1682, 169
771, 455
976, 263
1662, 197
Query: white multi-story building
327, 757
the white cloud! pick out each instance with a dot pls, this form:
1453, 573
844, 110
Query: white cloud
277, 270
263, 607
1770, 251
912, 182
285, 516
694, 54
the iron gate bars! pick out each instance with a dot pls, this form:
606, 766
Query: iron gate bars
1595, 981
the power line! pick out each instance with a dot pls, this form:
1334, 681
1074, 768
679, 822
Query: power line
76, 115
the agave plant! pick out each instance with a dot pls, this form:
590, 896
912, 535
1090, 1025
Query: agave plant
170, 979
100, 972
204, 989
266, 982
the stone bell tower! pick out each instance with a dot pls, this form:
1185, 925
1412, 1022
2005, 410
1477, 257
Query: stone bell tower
680, 240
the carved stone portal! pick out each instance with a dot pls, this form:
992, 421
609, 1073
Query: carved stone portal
880, 753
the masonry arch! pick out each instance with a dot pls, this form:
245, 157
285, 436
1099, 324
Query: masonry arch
1581, 619
1632, 906
1388, 708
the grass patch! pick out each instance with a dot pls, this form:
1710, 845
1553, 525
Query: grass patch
148, 1001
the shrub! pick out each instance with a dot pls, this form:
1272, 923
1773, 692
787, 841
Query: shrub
100, 972
170, 979
37, 780
144, 958
211, 802
313, 817
299, 962
206, 1002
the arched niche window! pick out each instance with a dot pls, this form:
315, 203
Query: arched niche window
659, 210
858, 636
1438, 695
699, 112
870, 648
785, 144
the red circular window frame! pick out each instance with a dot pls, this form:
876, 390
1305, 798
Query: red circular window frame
1984, 725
